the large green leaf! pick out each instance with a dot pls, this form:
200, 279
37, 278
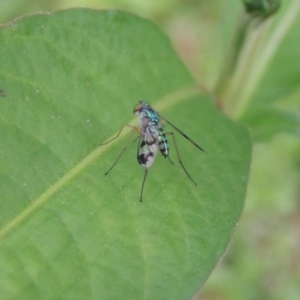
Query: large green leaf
69, 82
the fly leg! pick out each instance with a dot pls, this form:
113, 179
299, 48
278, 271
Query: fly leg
143, 184
179, 158
133, 128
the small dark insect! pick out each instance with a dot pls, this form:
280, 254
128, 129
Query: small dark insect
2, 93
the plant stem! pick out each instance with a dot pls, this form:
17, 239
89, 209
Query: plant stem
242, 77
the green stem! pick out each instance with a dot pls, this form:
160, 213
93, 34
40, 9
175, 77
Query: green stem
262, 58
249, 61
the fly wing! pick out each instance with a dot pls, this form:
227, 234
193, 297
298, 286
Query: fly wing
147, 148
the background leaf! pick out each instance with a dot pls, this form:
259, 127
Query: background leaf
70, 81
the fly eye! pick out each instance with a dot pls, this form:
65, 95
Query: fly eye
137, 108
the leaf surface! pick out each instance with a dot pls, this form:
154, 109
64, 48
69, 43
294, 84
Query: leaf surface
69, 82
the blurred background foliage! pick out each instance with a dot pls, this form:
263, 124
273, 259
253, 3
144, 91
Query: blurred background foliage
263, 259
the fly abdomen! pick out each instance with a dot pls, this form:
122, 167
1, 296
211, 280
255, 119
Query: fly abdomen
163, 145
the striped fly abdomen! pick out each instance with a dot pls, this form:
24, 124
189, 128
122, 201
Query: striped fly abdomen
163, 144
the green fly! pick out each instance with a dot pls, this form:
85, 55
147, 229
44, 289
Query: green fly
152, 138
